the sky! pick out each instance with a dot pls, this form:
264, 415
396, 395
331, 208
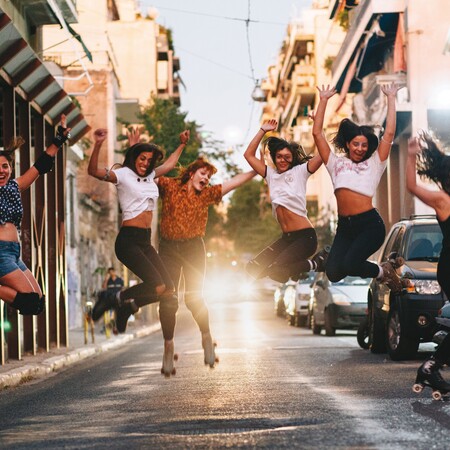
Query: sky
219, 65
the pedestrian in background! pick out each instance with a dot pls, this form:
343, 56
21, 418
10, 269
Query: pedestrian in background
18, 287
290, 255
138, 198
433, 164
355, 176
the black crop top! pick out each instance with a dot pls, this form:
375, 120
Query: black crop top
11, 209
445, 227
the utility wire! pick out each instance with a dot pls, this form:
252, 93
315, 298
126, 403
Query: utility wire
247, 26
238, 19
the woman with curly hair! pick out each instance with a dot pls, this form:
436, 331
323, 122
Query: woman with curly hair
138, 198
433, 164
355, 176
18, 287
290, 255
184, 215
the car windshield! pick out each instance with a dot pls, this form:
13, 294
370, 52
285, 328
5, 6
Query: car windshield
352, 281
424, 243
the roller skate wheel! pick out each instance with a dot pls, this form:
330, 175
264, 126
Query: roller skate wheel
175, 357
174, 371
436, 395
418, 388
216, 359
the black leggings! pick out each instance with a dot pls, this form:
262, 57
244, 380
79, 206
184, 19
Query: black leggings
133, 249
188, 258
442, 353
285, 258
357, 238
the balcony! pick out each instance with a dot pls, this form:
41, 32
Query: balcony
362, 28
40, 12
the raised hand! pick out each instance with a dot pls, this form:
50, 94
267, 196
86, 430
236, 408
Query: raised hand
413, 146
270, 125
134, 136
184, 137
390, 90
326, 92
100, 135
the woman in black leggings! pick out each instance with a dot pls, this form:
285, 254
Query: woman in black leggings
138, 198
433, 164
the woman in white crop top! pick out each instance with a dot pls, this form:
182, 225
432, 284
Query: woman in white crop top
288, 257
138, 195
355, 175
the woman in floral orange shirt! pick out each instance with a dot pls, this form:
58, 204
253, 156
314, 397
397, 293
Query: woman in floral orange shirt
185, 202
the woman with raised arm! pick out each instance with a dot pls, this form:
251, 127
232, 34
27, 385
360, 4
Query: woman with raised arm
433, 164
18, 287
138, 198
184, 215
355, 176
289, 256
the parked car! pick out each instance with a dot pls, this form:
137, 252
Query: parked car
398, 323
283, 296
300, 310
340, 305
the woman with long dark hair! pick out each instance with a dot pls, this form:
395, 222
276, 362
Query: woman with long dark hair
138, 198
18, 287
290, 255
434, 165
355, 176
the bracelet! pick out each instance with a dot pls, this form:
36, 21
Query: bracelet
263, 130
387, 142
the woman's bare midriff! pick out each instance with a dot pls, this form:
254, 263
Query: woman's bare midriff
8, 232
143, 220
350, 202
290, 221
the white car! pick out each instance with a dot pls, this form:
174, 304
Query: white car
296, 300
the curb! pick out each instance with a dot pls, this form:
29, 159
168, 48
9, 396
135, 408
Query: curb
29, 372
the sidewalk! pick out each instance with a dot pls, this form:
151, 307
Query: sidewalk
14, 372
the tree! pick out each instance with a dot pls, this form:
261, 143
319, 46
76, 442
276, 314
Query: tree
250, 222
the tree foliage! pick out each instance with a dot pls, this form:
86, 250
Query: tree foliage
250, 223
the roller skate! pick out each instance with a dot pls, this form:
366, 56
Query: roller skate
428, 375
209, 349
123, 312
320, 259
390, 276
169, 357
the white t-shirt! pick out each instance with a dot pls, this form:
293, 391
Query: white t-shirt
362, 177
136, 194
288, 189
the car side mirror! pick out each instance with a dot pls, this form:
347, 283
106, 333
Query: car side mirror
392, 255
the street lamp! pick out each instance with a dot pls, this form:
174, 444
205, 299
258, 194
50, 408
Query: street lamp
258, 95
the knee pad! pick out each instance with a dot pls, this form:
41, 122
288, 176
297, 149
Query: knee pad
28, 304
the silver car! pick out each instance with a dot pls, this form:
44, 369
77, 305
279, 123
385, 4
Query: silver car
340, 305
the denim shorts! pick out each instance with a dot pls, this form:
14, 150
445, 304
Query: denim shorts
10, 258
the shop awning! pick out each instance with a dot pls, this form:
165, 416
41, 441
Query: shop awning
21, 67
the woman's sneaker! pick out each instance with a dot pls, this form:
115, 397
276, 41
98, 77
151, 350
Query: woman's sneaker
390, 277
320, 259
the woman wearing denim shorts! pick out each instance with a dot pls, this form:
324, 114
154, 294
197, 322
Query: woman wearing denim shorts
18, 287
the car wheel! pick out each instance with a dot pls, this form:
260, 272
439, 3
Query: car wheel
291, 320
301, 321
377, 343
362, 335
399, 346
329, 329
316, 329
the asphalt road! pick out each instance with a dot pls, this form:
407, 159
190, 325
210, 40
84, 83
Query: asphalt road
276, 387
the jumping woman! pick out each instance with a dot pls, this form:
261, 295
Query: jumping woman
290, 255
433, 164
138, 198
18, 287
355, 176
